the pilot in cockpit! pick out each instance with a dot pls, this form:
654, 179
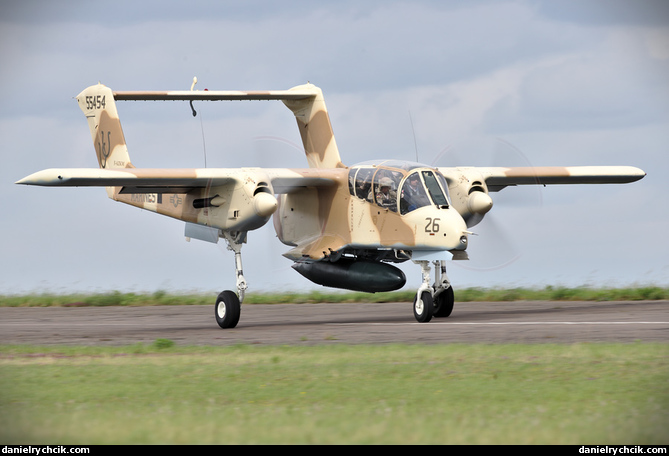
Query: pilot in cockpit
413, 194
385, 196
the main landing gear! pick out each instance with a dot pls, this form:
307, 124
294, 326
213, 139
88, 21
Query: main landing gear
433, 300
228, 304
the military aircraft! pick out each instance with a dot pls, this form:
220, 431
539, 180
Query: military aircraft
346, 225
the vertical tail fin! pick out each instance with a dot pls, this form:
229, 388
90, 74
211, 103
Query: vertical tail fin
97, 103
315, 129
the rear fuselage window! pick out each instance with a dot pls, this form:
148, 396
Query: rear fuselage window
360, 182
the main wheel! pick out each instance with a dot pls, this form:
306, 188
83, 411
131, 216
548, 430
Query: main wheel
443, 305
423, 307
227, 309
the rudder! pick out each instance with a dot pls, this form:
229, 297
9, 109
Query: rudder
98, 105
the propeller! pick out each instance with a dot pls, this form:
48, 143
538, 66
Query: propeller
495, 243
273, 151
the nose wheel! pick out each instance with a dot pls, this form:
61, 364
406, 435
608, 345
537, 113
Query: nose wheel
423, 307
435, 300
228, 309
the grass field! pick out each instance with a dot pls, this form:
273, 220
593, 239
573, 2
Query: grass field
384, 394
548, 293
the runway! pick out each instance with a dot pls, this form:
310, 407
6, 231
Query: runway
309, 324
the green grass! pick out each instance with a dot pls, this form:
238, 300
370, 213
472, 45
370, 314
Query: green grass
548, 293
384, 394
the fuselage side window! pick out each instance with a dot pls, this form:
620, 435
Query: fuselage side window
385, 188
351, 180
363, 183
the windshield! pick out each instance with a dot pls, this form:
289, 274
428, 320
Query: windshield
413, 194
434, 189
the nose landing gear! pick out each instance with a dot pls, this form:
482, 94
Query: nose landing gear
433, 300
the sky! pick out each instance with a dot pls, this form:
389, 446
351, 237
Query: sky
446, 83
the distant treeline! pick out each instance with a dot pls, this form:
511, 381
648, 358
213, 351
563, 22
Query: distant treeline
163, 298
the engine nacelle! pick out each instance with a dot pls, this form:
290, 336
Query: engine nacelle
469, 196
244, 206
264, 204
479, 203
250, 213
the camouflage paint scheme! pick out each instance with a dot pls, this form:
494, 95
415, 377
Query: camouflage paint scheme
318, 211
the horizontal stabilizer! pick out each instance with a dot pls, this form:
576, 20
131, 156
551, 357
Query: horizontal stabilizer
213, 95
305, 101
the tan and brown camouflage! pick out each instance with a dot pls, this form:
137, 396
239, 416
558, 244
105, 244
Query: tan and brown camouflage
322, 211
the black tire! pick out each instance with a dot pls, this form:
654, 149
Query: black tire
423, 307
227, 310
443, 305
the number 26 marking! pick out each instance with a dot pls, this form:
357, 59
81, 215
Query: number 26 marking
432, 225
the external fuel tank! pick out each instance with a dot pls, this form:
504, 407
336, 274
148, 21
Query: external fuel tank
356, 275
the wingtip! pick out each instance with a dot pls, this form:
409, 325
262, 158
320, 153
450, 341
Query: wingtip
638, 173
46, 177
28, 180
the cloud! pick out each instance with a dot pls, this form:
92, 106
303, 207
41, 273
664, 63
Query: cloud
608, 12
611, 85
562, 87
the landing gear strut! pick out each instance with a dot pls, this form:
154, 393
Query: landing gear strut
433, 300
228, 304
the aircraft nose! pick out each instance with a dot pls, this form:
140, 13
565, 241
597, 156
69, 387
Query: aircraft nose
457, 236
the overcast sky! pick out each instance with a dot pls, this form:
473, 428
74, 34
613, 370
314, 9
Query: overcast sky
475, 83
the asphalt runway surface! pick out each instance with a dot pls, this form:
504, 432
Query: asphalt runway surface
310, 324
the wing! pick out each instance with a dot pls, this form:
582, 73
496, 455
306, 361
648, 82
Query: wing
497, 178
147, 180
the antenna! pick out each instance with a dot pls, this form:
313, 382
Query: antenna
192, 86
414, 136
204, 145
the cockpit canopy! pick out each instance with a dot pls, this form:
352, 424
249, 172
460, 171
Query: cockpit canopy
398, 186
